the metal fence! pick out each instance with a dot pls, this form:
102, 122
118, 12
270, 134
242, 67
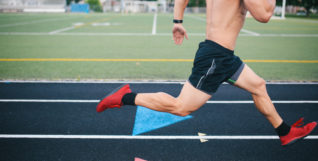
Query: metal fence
32, 5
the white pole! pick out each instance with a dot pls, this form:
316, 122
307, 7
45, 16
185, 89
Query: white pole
122, 6
283, 9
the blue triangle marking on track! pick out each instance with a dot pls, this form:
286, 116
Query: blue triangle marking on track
147, 120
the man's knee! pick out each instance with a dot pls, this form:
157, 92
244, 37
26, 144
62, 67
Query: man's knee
181, 112
180, 109
261, 83
260, 87
174, 105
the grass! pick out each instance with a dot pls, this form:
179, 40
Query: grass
311, 16
144, 47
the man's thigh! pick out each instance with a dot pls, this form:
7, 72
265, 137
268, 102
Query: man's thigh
249, 80
192, 98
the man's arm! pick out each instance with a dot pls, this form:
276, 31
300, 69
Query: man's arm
178, 30
179, 7
261, 10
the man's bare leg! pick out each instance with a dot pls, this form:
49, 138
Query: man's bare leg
189, 100
254, 84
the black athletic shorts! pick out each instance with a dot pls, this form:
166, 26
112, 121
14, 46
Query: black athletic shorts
213, 65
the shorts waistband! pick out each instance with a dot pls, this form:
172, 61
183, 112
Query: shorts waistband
218, 46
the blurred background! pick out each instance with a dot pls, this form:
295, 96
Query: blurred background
289, 7
131, 40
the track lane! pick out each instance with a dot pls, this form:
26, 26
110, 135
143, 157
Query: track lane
81, 118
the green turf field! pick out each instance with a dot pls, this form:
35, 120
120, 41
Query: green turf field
136, 36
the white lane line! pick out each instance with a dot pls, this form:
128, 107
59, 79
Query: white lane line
145, 34
250, 32
49, 100
33, 22
97, 82
138, 82
292, 83
154, 25
96, 101
147, 137
61, 30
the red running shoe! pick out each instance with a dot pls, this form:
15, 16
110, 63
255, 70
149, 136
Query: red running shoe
297, 132
113, 99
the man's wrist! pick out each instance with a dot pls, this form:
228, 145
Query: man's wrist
177, 21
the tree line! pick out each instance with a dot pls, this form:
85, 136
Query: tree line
307, 4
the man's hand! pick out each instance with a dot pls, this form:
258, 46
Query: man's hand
179, 33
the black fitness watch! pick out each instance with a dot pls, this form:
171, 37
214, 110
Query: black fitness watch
177, 21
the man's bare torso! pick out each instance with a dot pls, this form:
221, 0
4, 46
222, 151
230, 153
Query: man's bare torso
225, 19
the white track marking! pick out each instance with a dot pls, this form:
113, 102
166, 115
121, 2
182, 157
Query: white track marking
138, 82
49, 100
250, 32
96, 101
92, 81
292, 83
62, 30
147, 137
154, 25
144, 34
33, 22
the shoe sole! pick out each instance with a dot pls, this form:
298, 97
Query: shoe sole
300, 138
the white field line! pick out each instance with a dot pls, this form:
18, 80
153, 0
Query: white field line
297, 20
33, 22
198, 18
143, 34
96, 101
76, 34
300, 20
154, 25
61, 30
147, 137
288, 35
250, 32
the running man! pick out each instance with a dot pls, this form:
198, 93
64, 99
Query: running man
214, 64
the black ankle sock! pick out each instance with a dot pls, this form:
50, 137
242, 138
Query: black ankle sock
283, 129
129, 99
